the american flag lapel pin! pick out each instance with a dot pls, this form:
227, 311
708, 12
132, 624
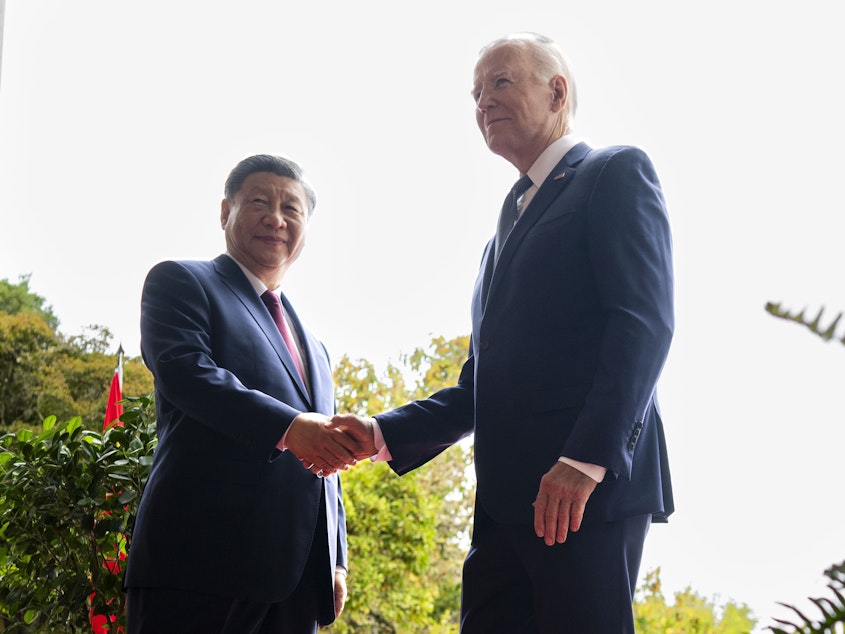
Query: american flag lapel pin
559, 176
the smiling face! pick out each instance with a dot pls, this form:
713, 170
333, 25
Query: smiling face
519, 113
265, 224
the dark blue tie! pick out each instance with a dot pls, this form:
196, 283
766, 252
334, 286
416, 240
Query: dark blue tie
508, 217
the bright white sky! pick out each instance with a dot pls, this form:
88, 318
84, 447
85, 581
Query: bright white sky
120, 121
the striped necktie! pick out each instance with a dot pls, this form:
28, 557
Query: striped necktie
508, 216
274, 305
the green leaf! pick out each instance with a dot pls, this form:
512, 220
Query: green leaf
128, 496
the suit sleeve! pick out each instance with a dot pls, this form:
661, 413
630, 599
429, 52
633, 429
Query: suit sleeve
419, 431
177, 344
630, 249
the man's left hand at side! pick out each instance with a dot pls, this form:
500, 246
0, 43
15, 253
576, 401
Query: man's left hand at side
560, 503
340, 592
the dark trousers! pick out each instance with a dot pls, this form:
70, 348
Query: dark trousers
166, 611
174, 611
514, 583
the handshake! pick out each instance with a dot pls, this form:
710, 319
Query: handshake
326, 445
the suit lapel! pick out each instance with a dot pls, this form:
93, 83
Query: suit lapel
556, 182
234, 278
317, 365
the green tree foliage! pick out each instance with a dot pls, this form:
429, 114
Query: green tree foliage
17, 298
45, 373
74, 381
68, 498
408, 535
391, 525
25, 343
688, 614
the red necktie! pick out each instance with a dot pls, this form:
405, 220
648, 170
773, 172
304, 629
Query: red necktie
271, 300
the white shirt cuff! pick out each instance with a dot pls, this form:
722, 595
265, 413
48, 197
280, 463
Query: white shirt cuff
595, 471
382, 452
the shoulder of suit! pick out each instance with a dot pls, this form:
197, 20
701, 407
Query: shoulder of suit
198, 268
609, 151
599, 158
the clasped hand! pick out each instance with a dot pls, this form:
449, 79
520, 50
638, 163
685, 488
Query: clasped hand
326, 445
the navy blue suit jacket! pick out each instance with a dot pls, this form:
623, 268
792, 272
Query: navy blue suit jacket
570, 332
224, 512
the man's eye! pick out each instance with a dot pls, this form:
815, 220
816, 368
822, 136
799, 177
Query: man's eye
260, 201
501, 81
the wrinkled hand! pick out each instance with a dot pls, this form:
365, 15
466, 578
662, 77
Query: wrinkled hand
340, 592
360, 428
560, 503
322, 448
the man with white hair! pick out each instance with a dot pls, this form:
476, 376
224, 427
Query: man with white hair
572, 318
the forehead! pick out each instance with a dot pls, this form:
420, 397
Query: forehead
501, 60
272, 183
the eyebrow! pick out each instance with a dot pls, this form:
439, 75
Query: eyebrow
494, 75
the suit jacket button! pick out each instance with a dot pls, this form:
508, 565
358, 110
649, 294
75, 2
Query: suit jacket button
484, 344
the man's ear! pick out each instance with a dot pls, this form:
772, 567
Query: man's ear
560, 92
224, 212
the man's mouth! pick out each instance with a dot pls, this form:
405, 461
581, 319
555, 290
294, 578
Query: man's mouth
272, 239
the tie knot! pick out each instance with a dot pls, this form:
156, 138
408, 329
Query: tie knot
270, 299
521, 186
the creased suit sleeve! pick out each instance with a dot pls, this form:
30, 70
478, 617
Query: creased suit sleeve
419, 431
630, 249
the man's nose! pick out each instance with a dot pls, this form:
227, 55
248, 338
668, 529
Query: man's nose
275, 218
483, 102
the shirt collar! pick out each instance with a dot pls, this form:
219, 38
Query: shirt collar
550, 157
256, 283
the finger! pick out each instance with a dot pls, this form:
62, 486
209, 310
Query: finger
344, 436
345, 446
540, 515
335, 447
557, 516
563, 519
360, 430
322, 459
576, 517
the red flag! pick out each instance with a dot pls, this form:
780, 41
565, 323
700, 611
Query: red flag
101, 623
114, 410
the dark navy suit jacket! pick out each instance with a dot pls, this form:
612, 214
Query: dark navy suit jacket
224, 512
570, 332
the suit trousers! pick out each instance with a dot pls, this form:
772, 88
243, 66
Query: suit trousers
514, 583
163, 610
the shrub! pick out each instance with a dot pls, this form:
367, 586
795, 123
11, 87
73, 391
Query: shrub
68, 499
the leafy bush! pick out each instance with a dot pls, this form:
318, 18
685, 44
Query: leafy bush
68, 498
832, 610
